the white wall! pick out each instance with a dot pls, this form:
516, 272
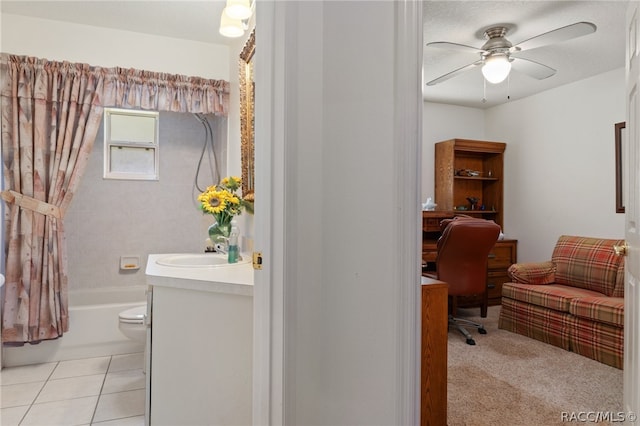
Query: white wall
55, 40
559, 163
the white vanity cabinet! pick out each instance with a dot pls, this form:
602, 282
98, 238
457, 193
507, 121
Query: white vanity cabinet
201, 346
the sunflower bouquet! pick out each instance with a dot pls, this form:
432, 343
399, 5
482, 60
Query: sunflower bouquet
223, 203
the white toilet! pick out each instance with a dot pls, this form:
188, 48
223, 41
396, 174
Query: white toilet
132, 323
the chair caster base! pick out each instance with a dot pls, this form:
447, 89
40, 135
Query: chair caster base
458, 323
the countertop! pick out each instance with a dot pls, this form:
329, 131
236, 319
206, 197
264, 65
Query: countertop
229, 279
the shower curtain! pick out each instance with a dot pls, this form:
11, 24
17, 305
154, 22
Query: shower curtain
50, 113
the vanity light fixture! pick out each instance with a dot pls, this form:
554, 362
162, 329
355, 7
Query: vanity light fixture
239, 9
496, 68
235, 17
230, 27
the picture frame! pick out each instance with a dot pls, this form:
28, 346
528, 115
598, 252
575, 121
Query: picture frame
620, 155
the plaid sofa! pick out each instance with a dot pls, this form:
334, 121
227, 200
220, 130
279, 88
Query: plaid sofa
575, 301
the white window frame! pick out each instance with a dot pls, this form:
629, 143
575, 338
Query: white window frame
122, 143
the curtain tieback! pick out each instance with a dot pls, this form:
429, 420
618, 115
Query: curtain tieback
31, 203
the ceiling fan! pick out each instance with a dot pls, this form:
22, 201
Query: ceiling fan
498, 54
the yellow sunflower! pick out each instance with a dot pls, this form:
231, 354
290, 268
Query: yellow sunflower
231, 182
213, 201
222, 201
232, 198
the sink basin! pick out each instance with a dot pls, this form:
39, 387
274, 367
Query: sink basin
200, 260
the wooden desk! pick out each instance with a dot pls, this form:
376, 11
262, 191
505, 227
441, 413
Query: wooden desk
433, 375
503, 255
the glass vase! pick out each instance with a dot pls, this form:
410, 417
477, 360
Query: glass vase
219, 232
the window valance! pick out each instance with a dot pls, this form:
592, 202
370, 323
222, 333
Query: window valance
122, 87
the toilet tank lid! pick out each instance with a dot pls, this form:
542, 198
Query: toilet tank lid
136, 313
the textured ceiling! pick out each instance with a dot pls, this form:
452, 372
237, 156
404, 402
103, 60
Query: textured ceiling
455, 21
464, 22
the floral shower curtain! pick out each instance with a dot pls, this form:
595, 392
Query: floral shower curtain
50, 113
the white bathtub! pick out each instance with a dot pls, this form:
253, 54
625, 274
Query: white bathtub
93, 329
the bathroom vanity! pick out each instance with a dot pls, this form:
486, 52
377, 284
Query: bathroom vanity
200, 334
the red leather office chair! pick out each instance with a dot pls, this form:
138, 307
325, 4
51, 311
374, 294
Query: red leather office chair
463, 252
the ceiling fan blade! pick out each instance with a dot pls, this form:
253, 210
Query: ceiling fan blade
455, 46
532, 68
558, 35
453, 73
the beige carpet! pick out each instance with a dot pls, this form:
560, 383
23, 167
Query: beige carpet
508, 379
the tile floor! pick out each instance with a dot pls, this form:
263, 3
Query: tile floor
104, 391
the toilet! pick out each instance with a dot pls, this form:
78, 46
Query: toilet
132, 323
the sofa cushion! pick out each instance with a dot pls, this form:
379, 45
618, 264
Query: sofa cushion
586, 262
552, 296
532, 273
608, 310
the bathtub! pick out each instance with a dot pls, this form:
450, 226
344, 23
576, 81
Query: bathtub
93, 329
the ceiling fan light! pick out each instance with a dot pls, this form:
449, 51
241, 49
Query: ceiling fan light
496, 68
239, 9
230, 27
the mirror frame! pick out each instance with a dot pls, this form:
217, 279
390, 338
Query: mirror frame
619, 167
247, 119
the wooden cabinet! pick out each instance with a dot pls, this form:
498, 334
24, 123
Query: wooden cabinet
465, 169
433, 374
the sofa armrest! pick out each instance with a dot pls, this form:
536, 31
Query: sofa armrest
533, 273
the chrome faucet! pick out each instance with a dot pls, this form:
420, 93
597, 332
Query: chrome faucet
222, 246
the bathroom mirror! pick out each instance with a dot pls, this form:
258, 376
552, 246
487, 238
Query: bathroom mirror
247, 97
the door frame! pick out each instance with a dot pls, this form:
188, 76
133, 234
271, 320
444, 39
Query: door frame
276, 26
268, 291
631, 393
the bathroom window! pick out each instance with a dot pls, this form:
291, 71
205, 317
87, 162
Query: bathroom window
131, 149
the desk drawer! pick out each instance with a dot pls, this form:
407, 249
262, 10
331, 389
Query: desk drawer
428, 256
494, 284
431, 224
501, 256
